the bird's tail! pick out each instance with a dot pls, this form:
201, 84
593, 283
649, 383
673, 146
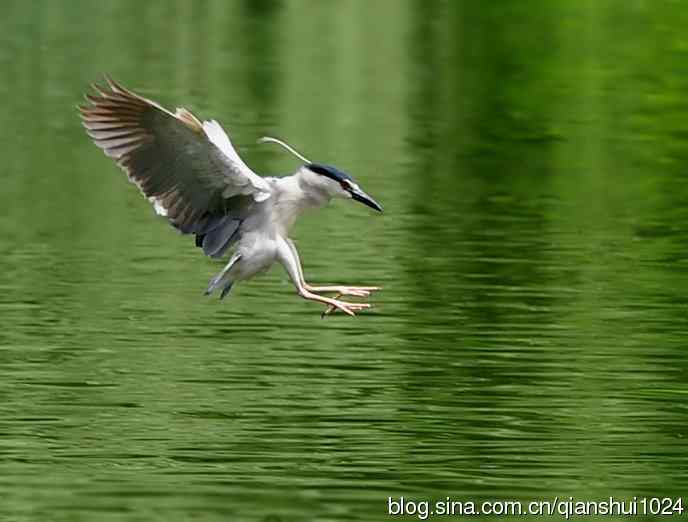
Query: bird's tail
220, 234
216, 282
221, 280
226, 289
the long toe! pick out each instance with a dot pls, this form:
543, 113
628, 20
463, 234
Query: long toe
344, 306
353, 304
359, 291
339, 305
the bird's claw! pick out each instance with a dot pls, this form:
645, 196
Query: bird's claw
354, 291
357, 291
344, 306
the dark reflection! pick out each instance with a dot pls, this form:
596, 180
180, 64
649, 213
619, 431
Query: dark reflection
530, 337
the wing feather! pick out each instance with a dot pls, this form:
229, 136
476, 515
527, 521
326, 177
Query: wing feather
189, 170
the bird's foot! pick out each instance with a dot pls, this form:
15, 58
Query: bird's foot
357, 291
344, 306
354, 291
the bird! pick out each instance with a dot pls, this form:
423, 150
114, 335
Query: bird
191, 173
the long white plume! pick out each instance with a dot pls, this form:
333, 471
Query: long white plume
268, 139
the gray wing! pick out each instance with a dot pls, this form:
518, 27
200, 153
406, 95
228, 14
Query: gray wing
187, 169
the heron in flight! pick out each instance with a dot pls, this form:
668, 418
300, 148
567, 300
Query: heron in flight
193, 176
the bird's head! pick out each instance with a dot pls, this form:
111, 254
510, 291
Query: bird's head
339, 184
326, 178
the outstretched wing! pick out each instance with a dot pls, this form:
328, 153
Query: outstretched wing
187, 169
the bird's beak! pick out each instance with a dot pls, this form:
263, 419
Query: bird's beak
359, 195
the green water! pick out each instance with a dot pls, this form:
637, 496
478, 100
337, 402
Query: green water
530, 340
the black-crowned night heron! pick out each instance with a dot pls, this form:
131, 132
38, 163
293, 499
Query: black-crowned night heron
192, 174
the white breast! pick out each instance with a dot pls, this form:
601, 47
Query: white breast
258, 254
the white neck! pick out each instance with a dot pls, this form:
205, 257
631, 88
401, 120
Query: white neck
296, 193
